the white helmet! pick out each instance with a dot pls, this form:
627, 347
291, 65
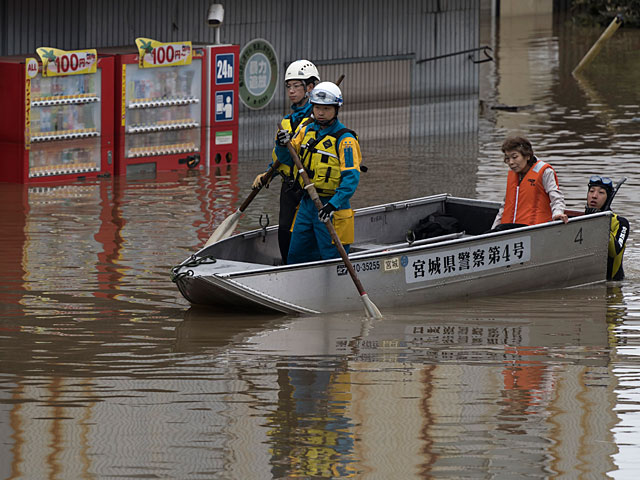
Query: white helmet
326, 93
301, 70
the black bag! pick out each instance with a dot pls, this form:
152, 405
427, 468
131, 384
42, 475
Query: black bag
436, 225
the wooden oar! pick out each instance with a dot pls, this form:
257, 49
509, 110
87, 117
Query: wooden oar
226, 228
369, 307
229, 224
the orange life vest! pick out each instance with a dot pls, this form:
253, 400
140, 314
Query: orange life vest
526, 201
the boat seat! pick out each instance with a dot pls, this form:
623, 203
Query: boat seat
361, 247
378, 247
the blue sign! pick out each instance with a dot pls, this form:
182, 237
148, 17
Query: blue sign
224, 106
224, 68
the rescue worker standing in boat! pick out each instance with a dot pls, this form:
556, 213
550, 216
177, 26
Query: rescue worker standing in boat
532, 195
599, 198
330, 153
300, 78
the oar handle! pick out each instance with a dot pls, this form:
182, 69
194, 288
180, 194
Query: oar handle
311, 190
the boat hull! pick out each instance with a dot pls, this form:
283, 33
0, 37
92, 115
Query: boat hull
547, 256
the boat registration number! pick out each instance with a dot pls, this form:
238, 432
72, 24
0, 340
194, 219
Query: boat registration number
360, 267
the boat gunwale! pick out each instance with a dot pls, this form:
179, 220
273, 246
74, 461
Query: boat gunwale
360, 256
231, 282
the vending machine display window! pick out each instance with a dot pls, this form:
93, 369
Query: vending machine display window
57, 122
163, 113
65, 125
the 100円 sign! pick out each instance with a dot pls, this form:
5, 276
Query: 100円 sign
56, 62
258, 68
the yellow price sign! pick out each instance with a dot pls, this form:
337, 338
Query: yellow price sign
56, 62
156, 54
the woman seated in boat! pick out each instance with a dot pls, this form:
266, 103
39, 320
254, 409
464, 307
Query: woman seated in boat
532, 195
599, 198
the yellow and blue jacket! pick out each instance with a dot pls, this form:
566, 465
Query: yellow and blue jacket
292, 122
331, 156
618, 234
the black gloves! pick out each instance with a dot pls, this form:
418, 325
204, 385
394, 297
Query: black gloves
325, 213
283, 137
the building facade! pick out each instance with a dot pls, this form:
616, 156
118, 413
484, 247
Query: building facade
410, 65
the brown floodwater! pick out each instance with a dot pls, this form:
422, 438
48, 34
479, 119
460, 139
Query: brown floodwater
107, 372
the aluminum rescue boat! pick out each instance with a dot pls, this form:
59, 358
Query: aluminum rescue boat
243, 272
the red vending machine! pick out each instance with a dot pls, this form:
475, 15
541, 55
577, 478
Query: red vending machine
57, 123
159, 107
222, 112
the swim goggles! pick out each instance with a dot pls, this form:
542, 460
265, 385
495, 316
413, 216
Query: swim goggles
598, 180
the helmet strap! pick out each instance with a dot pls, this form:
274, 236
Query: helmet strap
302, 102
327, 123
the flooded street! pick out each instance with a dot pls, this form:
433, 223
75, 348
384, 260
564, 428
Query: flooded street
107, 372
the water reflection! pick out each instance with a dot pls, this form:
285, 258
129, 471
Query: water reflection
419, 393
351, 396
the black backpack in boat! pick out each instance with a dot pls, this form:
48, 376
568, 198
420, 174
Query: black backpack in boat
435, 225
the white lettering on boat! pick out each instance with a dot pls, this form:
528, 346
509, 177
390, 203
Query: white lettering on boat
461, 261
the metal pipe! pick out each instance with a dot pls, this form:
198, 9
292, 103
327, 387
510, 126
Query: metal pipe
595, 49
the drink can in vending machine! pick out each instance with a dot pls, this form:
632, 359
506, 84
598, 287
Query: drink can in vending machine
45, 87
64, 85
75, 123
35, 87
190, 75
67, 157
171, 84
56, 119
80, 82
35, 120
91, 85
182, 83
137, 89
45, 120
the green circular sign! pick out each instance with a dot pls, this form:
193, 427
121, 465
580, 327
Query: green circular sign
258, 73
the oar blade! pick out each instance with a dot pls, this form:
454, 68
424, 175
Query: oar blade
370, 307
225, 229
